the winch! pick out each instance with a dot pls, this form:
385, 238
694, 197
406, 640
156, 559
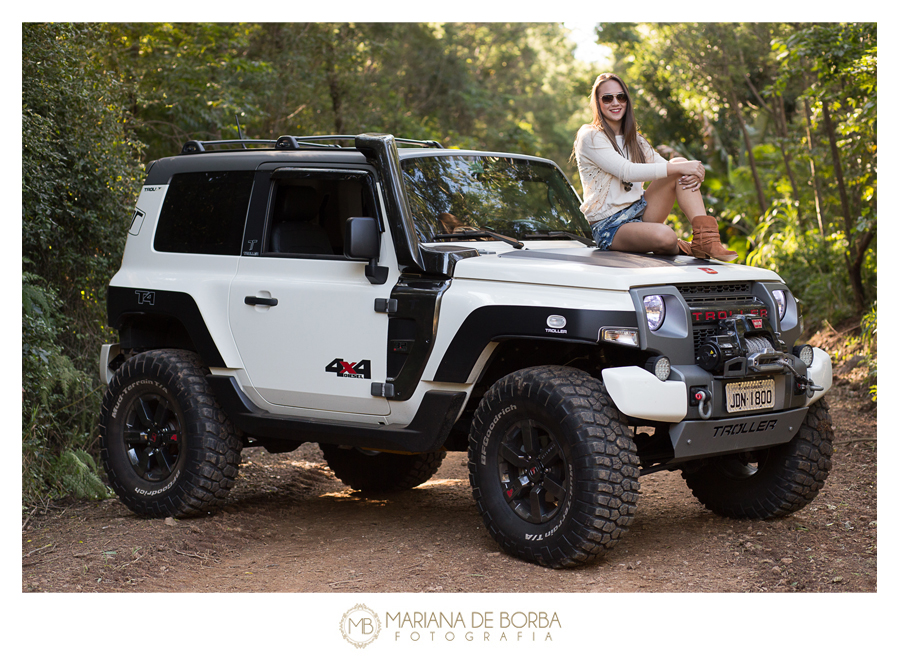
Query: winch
746, 345
742, 345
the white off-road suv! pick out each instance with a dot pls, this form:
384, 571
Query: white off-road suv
391, 304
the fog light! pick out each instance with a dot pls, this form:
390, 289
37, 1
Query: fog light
659, 366
804, 353
621, 336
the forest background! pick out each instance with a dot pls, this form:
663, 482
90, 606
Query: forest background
782, 114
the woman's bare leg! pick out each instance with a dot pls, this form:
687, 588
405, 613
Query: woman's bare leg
652, 234
643, 237
661, 195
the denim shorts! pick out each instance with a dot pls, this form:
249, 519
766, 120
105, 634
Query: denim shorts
604, 230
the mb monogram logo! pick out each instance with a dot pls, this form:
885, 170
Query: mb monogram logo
360, 626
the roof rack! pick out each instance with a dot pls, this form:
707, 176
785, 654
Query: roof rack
288, 142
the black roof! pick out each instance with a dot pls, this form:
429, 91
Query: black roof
244, 155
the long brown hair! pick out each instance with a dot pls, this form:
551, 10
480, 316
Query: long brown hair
629, 125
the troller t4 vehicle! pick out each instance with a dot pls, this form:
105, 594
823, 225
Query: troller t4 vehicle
391, 304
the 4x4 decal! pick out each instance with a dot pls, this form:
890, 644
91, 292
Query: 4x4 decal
358, 370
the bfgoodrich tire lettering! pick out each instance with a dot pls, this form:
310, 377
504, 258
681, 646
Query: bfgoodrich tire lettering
165, 443
553, 466
381, 471
772, 482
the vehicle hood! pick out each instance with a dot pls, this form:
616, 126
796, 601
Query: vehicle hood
584, 267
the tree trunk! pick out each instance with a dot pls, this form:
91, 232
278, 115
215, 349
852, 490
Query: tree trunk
855, 247
817, 186
781, 122
760, 195
780, 119
334, 88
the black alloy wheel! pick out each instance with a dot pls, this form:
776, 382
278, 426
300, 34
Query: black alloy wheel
153, 437
166, 445
532, 470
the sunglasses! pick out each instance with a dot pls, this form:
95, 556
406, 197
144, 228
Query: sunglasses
608, 98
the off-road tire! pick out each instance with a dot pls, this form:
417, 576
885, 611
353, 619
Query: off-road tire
378, 472
772, 482
183, 460
553, 466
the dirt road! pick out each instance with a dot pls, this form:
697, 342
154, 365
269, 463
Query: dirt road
291, 526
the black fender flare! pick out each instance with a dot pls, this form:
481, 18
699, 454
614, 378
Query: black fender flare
129, 304
495, 323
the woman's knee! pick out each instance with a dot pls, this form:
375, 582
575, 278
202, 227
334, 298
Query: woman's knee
665, 240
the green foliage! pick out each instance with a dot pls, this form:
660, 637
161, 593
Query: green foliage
461, 84
784, 117
80, 173
59, 401
812, 264
43, 364
78, 475
869, 327
185, 80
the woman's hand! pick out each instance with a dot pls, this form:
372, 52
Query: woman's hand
692, 174
690, 183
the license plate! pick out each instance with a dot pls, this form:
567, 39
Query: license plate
748, 396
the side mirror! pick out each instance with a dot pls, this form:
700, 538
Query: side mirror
362, 241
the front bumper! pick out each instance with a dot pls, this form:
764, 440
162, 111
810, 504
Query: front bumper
704, 438
640, 395
820, 373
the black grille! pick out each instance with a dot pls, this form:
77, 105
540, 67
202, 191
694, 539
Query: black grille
704, 297
701, 333
714, 289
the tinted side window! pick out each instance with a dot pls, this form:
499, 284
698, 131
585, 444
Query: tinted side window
204, 213
310, 210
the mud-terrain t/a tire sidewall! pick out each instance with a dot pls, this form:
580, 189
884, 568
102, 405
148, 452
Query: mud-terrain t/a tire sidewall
599, 456
209, 454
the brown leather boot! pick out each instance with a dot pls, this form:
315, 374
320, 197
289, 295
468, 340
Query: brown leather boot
706, 242
685, 247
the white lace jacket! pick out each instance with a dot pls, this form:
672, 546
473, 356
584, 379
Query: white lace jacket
603, 171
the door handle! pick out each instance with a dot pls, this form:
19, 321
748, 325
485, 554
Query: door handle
260, 301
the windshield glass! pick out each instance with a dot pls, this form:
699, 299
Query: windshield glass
513, 196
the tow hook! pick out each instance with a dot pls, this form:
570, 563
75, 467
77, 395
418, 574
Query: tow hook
703, 397
803, 382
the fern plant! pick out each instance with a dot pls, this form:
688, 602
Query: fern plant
79, 476
59, 404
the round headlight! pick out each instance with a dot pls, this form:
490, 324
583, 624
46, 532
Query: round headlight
781, 302
655, 309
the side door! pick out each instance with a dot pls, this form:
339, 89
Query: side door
302, 315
